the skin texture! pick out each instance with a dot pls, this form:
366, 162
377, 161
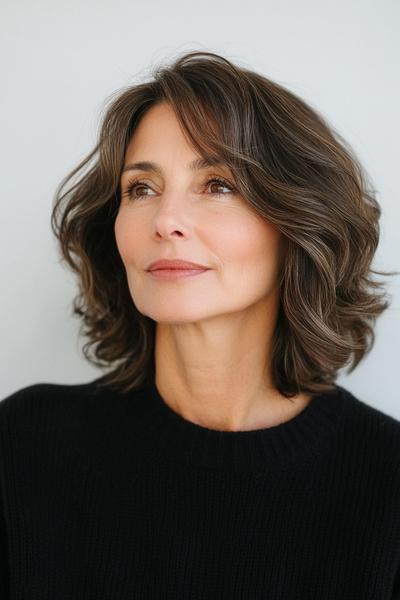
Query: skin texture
213, 332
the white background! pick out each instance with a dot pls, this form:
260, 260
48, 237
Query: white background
60, 63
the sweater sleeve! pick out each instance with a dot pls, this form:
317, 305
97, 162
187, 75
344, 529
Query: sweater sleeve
396, 587
4, 589
4, 559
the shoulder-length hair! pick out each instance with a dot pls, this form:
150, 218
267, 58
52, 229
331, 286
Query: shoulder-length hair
290, 166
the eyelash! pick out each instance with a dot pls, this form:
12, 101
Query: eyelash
137, 182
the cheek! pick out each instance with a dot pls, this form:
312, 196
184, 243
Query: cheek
127, 237
248, 241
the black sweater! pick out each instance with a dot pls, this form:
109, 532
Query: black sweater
113, 496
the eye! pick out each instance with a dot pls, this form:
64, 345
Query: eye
220, 182
135, 184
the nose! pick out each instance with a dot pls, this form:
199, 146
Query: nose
171, 218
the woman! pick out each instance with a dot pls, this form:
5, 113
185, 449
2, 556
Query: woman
217, 457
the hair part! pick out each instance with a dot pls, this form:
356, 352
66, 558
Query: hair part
291, 167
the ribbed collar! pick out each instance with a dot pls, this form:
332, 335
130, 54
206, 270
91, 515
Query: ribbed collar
171, 437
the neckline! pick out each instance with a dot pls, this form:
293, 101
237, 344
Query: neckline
175, 439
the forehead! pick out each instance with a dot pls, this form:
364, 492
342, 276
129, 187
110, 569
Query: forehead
157, 125
158, 139
198, 164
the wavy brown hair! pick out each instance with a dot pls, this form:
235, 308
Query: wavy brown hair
291, 167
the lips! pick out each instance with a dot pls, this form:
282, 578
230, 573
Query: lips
176, 264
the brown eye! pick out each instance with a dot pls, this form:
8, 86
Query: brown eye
222, 183
133, 186
136, 184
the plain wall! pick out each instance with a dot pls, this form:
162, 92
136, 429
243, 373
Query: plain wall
60, 63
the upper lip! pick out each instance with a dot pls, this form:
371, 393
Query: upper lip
174, 264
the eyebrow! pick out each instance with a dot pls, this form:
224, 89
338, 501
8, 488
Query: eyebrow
195, 165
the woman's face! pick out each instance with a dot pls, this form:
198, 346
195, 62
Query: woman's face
173, 214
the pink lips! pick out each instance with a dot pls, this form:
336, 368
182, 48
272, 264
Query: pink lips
175, 269
169, 274
175, 264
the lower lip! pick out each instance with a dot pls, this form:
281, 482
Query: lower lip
170, 274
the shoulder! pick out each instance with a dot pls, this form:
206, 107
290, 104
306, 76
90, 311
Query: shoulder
366, 411
78, 426
52, 422
39, 392
369, 429
29, 404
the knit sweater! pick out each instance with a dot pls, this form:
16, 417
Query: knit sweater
106, 495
